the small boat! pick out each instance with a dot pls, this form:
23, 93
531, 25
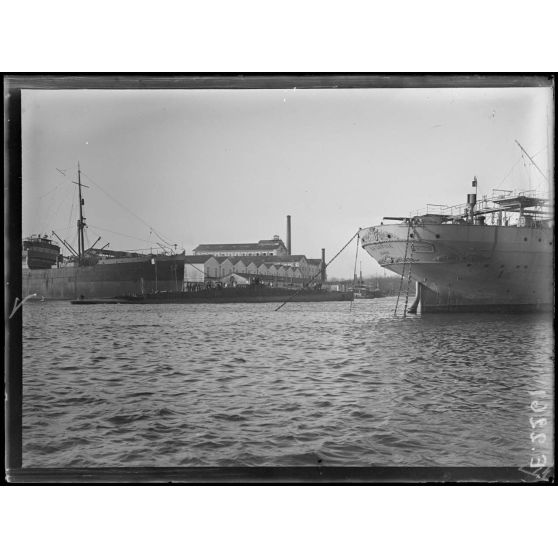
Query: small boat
222, 295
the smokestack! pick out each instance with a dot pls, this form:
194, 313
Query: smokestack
289, 234
323, 266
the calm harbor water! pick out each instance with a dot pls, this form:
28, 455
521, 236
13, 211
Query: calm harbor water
315, 383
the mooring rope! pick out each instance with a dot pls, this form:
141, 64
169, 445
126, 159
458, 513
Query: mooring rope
319, 272
354, 272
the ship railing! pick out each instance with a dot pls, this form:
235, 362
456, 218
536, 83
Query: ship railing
485, 204
438, 209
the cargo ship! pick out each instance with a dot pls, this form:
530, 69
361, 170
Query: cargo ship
91, 272
491, 255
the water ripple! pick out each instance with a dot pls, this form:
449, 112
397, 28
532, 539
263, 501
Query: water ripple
311, 385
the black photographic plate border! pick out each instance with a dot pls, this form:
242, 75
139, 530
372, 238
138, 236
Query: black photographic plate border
15, 473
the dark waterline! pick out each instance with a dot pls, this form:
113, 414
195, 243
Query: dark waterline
316, 383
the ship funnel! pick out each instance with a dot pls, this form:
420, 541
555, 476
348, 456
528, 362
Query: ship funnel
323, 266
472, 199
471, 202
289, 234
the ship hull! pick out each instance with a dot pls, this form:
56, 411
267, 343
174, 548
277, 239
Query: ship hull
469, 268
251, 294
108, 278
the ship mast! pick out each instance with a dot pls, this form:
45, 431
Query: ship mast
81, 221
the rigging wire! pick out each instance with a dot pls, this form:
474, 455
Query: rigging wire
161, 238
509, 172
197, 268
86, 238
517, 162
151, 229
319, 272
531, 159
64, 229
73, 243
70, 218
97, 228
50, 215
47, 215
53, 190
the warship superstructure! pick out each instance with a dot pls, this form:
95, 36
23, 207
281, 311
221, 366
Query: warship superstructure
495, 254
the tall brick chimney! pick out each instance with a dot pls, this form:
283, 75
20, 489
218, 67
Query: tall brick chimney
289, 234
323, 266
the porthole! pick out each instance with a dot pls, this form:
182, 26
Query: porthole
389, 235
485, 265
502, 265
517, 266
469, 265
525, 266
412, 235
437, 236
540, 239
525, 239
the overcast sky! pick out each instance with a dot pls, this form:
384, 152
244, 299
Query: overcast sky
216, 166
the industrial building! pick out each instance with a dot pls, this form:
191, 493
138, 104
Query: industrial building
274, 247
268, 261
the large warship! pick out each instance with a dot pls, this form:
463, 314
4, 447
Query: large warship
94, 272
490, 255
